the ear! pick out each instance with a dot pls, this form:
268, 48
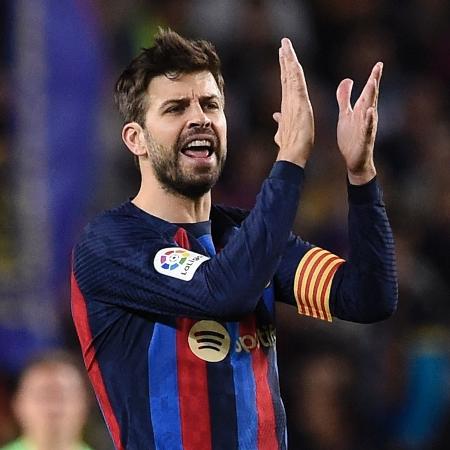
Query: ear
133, 136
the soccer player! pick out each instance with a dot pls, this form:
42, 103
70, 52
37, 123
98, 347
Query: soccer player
173, 298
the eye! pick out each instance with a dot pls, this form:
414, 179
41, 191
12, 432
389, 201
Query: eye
212, 105
178, 108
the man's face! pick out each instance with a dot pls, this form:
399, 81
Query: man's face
185, 131
51, 403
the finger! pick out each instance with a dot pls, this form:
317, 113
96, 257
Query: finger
277, 117
368, 94
375, 103
343, 95
288, 48
283, 75
294, 69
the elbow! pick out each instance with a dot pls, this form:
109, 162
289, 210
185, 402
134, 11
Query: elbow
381, 303
383, 313
368, 299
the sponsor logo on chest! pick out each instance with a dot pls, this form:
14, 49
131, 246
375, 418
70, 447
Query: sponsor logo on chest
210, 341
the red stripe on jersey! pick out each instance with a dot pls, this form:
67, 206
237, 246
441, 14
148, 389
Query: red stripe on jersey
192, 382
181, 238
267, 437
80, 318
193, 392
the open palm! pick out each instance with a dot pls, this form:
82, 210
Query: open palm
357, 126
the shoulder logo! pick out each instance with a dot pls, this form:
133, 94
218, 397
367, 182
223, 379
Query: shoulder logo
178, 262
209, 340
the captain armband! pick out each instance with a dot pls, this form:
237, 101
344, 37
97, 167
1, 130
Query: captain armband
312, 284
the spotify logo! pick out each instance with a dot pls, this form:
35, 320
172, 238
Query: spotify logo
209, 340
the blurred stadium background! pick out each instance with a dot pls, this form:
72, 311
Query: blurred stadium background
346, 386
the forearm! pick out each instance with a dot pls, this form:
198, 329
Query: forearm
115, 263
249, 260
365, 287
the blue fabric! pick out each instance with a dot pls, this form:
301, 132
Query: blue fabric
244, 381
163, 388
207, 242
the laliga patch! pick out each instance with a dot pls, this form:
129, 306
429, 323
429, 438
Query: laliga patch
178, 263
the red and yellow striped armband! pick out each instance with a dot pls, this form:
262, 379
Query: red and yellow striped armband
312, 284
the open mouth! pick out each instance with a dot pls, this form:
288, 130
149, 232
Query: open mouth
198, 148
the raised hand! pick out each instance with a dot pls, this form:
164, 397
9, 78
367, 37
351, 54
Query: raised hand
357, 127
295, 134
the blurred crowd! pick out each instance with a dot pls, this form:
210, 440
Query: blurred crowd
384, 386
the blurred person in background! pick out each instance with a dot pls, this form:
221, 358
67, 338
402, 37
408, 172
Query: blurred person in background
173, 298
323, 397
51, 404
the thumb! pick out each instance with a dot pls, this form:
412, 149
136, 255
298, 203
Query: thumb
343, 95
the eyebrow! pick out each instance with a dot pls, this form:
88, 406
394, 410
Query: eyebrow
187, 100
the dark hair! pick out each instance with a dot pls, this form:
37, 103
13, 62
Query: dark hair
171, 55
51, 358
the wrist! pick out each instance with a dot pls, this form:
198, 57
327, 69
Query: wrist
298, 162
367, 193
358, 178
295, 157
288, 171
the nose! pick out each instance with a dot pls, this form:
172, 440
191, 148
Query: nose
198, 118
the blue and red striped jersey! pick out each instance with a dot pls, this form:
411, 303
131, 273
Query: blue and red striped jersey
177, 325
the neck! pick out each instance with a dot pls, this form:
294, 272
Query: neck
155, 200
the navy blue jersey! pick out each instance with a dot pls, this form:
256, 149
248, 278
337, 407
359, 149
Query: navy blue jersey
176, 322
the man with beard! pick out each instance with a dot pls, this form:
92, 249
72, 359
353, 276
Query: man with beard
173, 298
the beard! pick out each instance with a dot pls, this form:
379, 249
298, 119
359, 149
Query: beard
175, 178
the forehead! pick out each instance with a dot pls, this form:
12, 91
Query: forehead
192, 85
40, 377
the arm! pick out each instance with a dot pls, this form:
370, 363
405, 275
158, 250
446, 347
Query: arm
372, 292
363, 288
114, 262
